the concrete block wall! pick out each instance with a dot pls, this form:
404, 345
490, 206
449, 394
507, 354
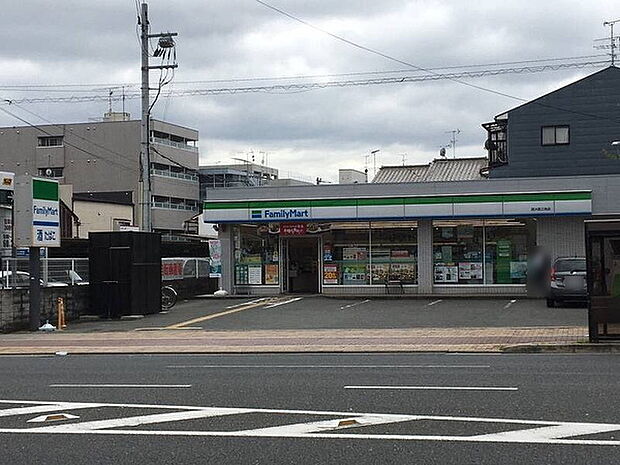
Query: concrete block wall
14, 305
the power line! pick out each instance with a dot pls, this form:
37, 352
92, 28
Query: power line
94, 86
307, 86
397, 60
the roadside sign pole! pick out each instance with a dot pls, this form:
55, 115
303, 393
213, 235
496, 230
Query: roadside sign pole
34, 263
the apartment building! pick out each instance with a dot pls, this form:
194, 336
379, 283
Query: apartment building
104, 156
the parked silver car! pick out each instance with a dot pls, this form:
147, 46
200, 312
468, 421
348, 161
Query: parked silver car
568, 281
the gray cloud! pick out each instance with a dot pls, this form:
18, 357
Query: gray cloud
313, 132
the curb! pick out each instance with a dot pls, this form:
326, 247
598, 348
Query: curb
586, 348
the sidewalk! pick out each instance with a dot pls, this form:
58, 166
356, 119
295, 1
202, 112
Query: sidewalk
326, 340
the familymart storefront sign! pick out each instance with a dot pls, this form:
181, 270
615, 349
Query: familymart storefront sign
531, 204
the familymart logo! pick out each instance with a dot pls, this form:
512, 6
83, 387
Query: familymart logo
282, 214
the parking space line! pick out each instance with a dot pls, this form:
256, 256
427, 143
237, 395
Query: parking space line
354, 304
434, 302
215, 315
284, 302
509, 304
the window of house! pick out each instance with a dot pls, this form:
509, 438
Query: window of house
555, 135
50, 141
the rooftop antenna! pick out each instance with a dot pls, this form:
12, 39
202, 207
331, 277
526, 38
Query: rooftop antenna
404, 157
123, 88
612, 40
454, 132
110, 92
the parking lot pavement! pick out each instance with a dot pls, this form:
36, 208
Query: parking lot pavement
318, 312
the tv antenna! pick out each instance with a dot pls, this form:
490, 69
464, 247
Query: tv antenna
454, 132
612, 41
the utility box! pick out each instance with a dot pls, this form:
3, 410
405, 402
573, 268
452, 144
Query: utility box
603, 272
125, 273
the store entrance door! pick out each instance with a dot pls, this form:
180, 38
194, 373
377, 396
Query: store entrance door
303, 265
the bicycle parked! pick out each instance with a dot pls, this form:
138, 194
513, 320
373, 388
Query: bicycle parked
168, 297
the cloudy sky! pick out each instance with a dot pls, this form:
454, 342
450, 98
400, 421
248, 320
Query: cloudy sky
315, 132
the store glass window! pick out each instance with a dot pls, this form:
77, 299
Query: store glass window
506, 243
352, 250
256, 255
458, 252
346, 254
394, 252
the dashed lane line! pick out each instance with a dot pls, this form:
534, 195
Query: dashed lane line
434, 302
329, 366
437, 388
145, 386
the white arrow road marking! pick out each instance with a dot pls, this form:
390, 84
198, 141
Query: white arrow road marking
533, 432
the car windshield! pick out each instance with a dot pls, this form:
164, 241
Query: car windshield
575, 264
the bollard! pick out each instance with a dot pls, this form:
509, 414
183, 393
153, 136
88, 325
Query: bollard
60, 310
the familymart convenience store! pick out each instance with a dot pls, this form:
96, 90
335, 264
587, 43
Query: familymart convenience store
312, 240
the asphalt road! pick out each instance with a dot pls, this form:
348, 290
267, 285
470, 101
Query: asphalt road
317, 312
320, 408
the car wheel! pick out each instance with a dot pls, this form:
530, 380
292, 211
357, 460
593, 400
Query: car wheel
550, 303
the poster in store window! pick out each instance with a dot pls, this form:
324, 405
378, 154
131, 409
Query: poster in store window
355, 253
255, 274
470, 270
271, 274
330, 273
446, 274
241, 274
354, 274
518, 270
405, 272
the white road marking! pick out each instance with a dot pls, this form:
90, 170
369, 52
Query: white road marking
355, 421
534, 431
255, 301
509, 304
149, 386
354, 304
438, 388
329, 366
52, 407
284, 302
144, 419
434, 302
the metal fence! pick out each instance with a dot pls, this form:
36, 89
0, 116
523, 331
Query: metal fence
55, 272
60, 272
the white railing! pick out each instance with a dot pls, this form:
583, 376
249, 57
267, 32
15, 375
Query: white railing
54, 272
172, 174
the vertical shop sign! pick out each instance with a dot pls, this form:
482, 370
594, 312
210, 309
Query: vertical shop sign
215, 259
504, 253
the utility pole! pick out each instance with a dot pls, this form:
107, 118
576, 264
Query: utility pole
165, 41
612, 46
